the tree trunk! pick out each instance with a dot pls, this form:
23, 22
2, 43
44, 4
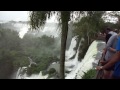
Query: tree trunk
65, 18
88, 37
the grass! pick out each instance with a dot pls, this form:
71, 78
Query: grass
90, 74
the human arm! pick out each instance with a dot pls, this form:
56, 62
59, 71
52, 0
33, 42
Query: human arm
111, 62
114, 59
112, 49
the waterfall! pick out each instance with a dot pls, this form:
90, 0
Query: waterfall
21, 75
93, 54
74, 67
92, 57
22, 28
22, 72
70, 52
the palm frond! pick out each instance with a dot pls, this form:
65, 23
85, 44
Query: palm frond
38, 18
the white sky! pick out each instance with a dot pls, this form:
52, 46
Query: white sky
14, 15
18, 16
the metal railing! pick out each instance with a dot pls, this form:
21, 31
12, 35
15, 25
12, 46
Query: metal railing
99, 74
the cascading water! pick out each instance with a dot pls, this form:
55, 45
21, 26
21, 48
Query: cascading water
21, 75
74, 67
71, 51
93, 54
72, 64
78, 68
22, 72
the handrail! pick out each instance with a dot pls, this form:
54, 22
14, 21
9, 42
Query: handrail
99, 73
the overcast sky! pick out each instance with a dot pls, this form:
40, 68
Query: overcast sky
18, 16
14, 15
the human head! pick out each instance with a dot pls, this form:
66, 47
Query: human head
108, 30
116, 30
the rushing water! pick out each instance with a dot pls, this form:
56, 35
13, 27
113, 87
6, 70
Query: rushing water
22, 72
21, 75
74, 67
93, 54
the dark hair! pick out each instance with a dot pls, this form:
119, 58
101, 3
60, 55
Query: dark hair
108, 29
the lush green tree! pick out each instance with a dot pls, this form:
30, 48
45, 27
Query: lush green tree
88, 27
10, 52
38, 19
14, 52
42, 50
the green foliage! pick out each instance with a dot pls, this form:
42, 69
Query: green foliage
90, 74
39, 45
111, 25
51, 71
21, 62
11, 46
15, 51
91, 24
42, 64
10, 52
38, 18
42, 50
88, 28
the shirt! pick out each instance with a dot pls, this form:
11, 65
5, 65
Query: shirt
116, 72
111, 43
111, 33
118, 44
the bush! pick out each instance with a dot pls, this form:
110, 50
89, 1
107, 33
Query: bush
42, 64
14, 52
51, 71
90, 74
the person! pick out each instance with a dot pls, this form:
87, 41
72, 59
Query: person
116, 74
114, 61
109, 33
110, 50
116, 30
